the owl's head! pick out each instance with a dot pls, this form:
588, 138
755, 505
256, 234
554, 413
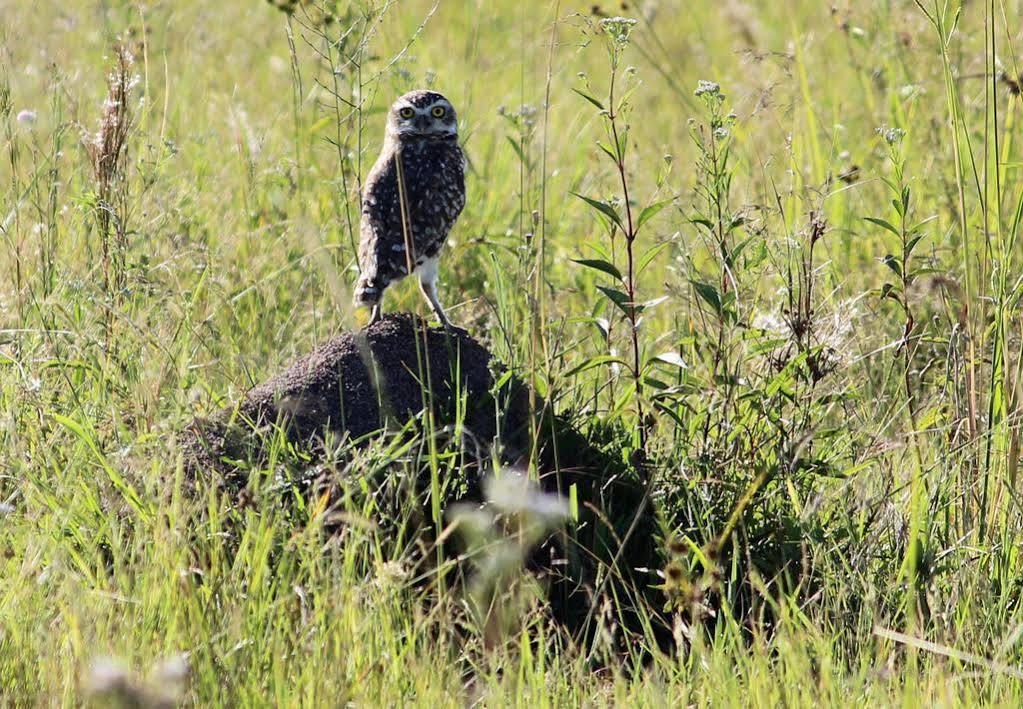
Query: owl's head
422, 115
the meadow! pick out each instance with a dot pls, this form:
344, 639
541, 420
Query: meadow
764, 256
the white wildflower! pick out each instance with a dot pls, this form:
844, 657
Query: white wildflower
108, 675
513, 492
390, 574
26, 117
618, 28
772, 323
708, 88
911, 91
891, 135
171, 674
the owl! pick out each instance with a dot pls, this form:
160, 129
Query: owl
411, 199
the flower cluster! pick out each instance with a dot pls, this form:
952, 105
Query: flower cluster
892, 136
618, 29
525, 114
709, 88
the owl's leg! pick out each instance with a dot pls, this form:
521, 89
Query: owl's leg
428, 284
375, 314
377, 311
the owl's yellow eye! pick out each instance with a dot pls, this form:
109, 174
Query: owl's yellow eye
407, 112
438, 112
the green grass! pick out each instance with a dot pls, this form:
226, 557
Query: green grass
826, 407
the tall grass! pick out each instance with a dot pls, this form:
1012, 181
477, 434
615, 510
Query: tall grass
786, 308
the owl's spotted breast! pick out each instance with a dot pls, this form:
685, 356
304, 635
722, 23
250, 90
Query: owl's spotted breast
434, 193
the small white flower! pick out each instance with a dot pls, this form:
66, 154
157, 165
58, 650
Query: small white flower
772, 323
26, 117
911, 91
708, 88
172, 672
107, 674
513, 492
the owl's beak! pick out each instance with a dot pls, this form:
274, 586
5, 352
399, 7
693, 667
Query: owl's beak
422, 123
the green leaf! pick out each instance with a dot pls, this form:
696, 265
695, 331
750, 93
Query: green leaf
607, 151
911, 244
649, 211
649, 255
920, 225
651, 303
600, 265
737, 221
893, 263
709, 293
618, 298
589, 98
883, 224
603, 207
889, 290
592, 362
672, 358
737, 250
518, 150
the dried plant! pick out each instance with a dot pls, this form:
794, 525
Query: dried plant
108, 155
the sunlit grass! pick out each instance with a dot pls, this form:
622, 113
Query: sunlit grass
816, 388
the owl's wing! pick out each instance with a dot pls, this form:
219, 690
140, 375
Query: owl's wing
382, 257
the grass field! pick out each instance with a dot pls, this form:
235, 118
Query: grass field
765, 254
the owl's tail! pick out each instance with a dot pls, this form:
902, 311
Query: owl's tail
368, 291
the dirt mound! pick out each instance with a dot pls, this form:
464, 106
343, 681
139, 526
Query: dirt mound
357, 383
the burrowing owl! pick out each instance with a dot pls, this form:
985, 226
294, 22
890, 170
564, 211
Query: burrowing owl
412, 197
